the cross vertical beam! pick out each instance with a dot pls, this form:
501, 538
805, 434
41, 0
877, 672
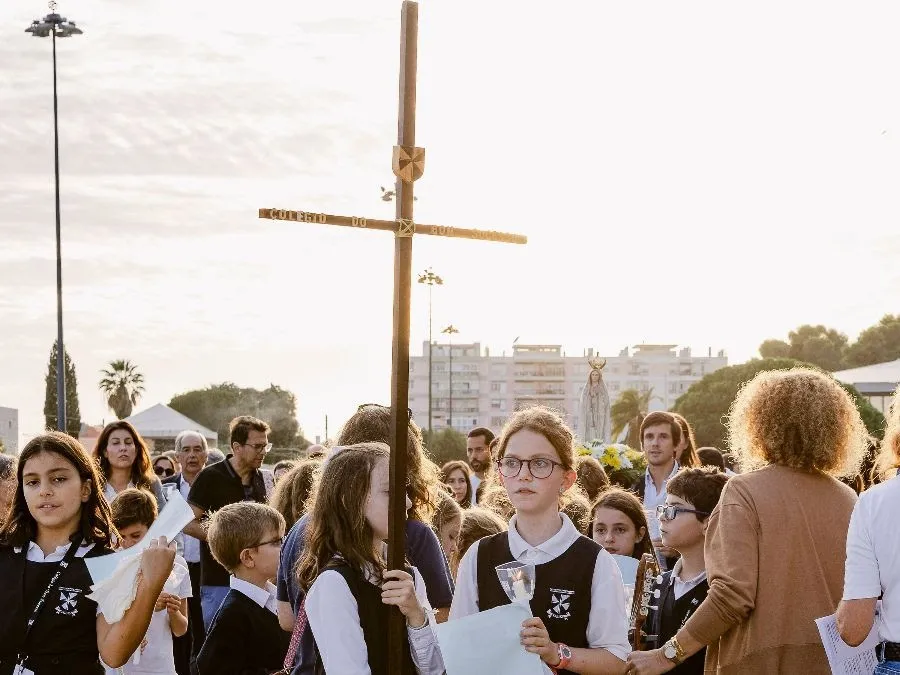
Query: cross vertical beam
406, 136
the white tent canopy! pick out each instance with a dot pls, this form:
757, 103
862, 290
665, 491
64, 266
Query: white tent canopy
161, 421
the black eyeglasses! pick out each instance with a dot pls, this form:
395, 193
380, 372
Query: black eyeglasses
539, 467
258, 447
664, 512
386, 407
271, 542
163, 471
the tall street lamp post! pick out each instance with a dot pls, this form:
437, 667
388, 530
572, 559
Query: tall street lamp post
432, 279
449, 331
55, 26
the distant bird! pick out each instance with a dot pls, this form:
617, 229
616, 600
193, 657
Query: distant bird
388, 195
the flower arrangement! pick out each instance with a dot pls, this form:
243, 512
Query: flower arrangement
624, 465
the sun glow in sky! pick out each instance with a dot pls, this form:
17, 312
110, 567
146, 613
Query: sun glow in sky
701, 173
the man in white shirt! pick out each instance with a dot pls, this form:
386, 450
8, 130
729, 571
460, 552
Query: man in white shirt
478, 454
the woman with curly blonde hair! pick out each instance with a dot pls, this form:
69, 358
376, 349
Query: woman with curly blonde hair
775, 542
873, 552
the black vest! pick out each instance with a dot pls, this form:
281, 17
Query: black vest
64, 636
373, 619
562, 587
671, 615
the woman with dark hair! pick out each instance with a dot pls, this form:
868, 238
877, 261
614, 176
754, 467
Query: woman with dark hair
58, 519
457, 476
165, 466
686, 450
124, 462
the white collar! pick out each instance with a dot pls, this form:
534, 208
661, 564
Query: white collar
648, 478
259, 595
35, 554
676, 575
553, 547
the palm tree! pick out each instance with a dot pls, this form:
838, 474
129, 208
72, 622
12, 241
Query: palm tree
628, 412
122, 385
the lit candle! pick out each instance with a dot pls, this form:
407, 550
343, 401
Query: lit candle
519, 592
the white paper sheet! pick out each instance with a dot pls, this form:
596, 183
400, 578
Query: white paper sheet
488, 642
172, 519
844, 659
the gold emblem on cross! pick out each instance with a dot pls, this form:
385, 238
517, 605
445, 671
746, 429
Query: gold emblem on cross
408, 162
405, 227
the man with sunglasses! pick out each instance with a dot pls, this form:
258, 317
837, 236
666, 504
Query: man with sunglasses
236, 479
691, 496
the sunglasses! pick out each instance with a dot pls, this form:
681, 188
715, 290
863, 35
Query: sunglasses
163, 472
386, 407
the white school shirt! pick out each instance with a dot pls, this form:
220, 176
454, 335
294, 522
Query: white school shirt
873, 554
682, 587
334, 619
607, 628
264, 597
35, 554
158, 657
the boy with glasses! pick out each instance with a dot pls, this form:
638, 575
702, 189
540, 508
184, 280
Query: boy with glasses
692, 494
245, 538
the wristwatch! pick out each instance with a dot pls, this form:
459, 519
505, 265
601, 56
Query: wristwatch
564, 652
673, 651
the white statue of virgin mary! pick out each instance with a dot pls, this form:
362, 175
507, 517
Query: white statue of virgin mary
595, 421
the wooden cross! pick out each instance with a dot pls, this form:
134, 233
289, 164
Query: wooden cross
408, 164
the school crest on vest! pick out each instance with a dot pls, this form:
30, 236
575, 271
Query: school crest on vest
560, 600
68, 601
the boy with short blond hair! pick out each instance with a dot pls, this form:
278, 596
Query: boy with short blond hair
133, 512
244, 637
692, 494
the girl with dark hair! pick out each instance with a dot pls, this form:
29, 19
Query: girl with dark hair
619, 524
457, 476
124, 462
58, 518
342, 569
686, 450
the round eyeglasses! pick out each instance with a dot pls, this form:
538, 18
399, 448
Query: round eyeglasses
538, 467
664, 512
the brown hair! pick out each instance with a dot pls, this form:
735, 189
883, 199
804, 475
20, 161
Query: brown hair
689, 454
372, 424
800, 418
240, 526
578, 509
625, 502
446, 511
495, 498
661, 417
96, 521
592, 476
240, 427
546, 422
701, 487
291, 492
710, 456
482, 431
133, 507
457, 465
142, 475
477, 522
889, 457
337, 515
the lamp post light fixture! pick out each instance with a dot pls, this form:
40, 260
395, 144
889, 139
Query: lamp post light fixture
449, 331
431, 279
55, 26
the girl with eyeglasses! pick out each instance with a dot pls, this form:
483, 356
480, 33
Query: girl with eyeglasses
584, 633
124, 462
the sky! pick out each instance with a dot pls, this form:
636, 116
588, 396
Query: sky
701, 173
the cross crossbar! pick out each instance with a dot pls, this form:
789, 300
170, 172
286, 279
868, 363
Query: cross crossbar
396, 226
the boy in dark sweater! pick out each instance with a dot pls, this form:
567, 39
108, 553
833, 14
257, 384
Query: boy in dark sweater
244, 637
692, 494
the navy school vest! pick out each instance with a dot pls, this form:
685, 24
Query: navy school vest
373, 619
562, 587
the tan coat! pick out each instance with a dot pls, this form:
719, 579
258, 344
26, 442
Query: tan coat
775, 551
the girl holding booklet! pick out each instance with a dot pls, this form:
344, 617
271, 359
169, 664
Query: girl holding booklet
578, 602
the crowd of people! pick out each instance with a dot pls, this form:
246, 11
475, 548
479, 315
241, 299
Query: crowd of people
284, 571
